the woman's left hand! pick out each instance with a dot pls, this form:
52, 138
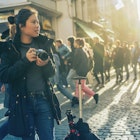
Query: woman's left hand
3, 88
40, 62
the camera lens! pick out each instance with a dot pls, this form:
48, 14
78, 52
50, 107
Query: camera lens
42, 54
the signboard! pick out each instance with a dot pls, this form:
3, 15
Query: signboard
118, 4
46, 25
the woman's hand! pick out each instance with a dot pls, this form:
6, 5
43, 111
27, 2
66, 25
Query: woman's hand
40, 62
3, 88
31, 55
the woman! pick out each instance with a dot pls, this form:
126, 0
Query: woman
27, 76
8, 38
57, 79
72, 72
118, 60
80, 65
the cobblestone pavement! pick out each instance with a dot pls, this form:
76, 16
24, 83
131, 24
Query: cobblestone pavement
115, 117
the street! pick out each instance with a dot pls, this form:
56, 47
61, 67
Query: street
40, 39
115, 117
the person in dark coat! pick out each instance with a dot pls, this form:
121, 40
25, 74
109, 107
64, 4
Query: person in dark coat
135, 53
70, 43
127, 57
80, 65
72, 72
107, 62
98, 51
118, 59
4, 88
27, 75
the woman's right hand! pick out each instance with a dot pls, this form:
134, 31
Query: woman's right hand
31, 54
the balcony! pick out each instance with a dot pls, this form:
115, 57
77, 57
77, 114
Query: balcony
45, 6
45, 3
10, 4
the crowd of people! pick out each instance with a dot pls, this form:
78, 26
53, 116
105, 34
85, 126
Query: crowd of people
120, 56
71, 60
27, 77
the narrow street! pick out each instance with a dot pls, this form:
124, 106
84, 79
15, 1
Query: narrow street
115, 117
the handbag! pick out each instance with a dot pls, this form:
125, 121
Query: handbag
54, 103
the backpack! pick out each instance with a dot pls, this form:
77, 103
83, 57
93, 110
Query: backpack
90, 64
85, 66
90, 61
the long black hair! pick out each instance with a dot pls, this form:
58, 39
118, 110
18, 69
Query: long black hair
20, 20
71, 39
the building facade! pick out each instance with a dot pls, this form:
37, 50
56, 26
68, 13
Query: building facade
124, 23
46, 8
58, 18
81, 18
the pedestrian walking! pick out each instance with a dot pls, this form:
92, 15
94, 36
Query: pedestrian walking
81, 68
64, 52
72, 72
135, 53
98, 51
127, 58
57, 78
107, 62
118, 58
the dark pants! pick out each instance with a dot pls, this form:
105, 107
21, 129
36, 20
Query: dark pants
97, 78
107, 71
64, 78
119, 76
41, 118
135, 70
127, 71
3, 130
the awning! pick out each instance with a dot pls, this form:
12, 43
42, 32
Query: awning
88, 30
98, 24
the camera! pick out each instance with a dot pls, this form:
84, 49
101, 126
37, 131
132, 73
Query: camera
42, 54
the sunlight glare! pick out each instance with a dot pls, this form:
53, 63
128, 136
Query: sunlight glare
137, 98
138, 7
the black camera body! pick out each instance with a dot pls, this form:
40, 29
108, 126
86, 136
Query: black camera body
42, 54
